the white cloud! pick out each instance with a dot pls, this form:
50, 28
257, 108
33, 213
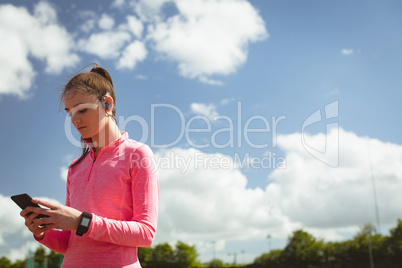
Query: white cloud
205, 38
47, 40
208, 37
208, 110
149, 10
106, 45
319, 196
45, 13
133, 53
36, 35
111, 44
106, 22
21, 253
226, 101
63, 173
208, 202
141, 77
10, 219
204, 197
118, 3
16, 72
88, 25
347, 52
64, 169
134, 26
208, 81
90, 20
333, 92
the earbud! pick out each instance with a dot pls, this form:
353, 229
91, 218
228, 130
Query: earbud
107, 105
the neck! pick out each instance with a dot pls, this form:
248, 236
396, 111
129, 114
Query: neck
105, 136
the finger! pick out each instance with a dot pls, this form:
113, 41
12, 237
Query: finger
44, 228
24, 213
45, 203
27, 212
37, 210
39, 236
44, 221
37, 228
29, 218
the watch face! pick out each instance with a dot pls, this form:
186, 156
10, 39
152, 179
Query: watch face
85, 222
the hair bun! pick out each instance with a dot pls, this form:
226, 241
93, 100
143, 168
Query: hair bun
99, 70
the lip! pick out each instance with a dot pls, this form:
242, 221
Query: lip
80, 128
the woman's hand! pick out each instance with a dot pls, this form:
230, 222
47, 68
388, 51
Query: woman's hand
36, 229
59, 217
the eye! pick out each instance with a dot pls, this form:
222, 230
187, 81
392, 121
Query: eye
83, 110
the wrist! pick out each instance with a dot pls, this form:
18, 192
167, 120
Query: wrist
84, 223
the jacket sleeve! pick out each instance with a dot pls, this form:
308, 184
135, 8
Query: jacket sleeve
57, 240
141, 229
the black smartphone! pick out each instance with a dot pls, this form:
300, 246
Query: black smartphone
23, 201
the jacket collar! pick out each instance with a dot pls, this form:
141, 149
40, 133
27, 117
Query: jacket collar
113, 144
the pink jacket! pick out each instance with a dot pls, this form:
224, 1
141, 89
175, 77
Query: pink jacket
120, 189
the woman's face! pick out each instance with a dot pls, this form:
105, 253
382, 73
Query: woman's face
87, 115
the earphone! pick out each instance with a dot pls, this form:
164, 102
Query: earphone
107, 105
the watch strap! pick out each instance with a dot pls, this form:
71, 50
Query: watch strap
85, 222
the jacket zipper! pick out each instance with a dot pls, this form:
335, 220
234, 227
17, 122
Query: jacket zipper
93, 163
90, 170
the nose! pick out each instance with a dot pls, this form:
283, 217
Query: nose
75, 118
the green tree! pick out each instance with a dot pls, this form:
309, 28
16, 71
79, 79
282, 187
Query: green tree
54, 259
186, 256
216, 263
40, 255
262, 260
18, 264
162, 256
302, 250
145, 256
268, 260
5, 263
366, 245
394, 243
337, 252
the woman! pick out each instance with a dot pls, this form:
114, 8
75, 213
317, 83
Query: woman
112, 189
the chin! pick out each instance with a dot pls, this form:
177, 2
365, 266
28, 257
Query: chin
88, 135
85, 135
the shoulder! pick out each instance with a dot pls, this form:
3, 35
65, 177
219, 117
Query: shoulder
75, 161
78, 162
133, 146
140, 157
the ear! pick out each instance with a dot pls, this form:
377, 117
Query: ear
108, 103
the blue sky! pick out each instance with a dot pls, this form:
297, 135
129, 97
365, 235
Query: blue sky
227, 69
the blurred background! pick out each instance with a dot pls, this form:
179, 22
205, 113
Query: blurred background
268, 119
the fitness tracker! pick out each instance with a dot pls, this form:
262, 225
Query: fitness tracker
85, 221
